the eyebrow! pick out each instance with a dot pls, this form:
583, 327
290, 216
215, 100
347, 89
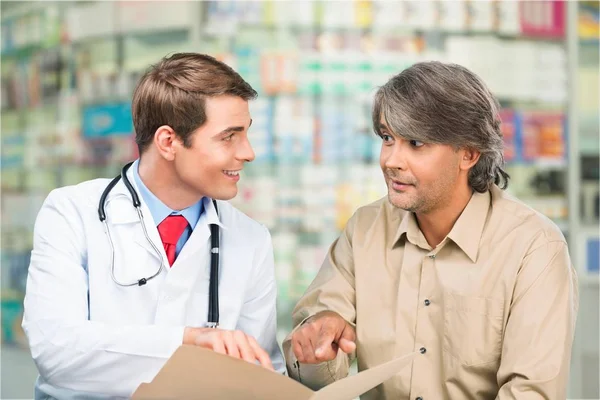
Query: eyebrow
233, 129
383, 127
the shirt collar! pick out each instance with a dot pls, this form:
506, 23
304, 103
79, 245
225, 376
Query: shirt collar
466, 232
410, 227
158, 209
468, 228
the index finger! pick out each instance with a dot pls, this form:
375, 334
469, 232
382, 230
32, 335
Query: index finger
325, 339
261, 354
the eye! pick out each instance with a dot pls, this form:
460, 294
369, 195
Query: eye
416, 143
229, 137
386, 138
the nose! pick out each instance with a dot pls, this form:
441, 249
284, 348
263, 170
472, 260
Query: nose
395, 157
245, 152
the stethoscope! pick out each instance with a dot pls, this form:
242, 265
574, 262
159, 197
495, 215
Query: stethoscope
213, 296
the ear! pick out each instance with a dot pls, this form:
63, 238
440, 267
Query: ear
468, 158
166, 141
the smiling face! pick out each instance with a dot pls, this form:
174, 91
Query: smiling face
421, 177
217, 151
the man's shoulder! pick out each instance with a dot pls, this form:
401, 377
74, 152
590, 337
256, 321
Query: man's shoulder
81, 194
518, 218
378, 211
373, 209
240, 223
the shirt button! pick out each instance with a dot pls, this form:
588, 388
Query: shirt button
419, 398
427, 302
432, 256
422, 350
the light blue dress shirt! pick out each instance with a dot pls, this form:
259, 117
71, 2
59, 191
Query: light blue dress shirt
160, 211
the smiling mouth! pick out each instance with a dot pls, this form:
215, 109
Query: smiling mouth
232, 173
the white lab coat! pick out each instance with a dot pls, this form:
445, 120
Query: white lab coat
91, 338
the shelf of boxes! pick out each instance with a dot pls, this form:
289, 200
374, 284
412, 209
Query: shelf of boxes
315, 65
588, 104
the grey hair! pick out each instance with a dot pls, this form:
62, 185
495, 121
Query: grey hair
434, 102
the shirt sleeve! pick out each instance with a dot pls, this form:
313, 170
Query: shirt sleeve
70, 351
537, 345
258, 317
333, 289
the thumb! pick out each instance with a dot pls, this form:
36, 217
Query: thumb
347, 346
347, 341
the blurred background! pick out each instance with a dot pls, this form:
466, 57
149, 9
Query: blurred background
68, 70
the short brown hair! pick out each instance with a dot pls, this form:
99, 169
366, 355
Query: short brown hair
173, 91
447, 104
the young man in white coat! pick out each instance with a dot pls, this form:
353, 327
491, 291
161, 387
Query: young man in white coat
106, 307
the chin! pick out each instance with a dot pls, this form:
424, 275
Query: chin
400, 201
225, 195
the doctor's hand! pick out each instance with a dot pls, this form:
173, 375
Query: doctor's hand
232, 343
321, 336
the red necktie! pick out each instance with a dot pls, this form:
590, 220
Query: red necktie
170, 230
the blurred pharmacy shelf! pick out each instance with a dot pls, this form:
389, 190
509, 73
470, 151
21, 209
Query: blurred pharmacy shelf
69, 68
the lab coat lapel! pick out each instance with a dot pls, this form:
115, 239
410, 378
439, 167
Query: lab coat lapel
198, 243
120, 210
151, 230
153, 236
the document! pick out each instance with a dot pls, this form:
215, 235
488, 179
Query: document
194, 372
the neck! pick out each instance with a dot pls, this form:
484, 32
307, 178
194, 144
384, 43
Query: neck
160, 178
437, 223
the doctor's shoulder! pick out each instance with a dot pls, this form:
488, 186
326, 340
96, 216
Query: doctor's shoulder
241, 227
81, 198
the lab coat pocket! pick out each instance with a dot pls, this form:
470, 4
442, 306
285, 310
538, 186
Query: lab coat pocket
473, 328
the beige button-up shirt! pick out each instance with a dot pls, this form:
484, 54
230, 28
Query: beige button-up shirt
491, 309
